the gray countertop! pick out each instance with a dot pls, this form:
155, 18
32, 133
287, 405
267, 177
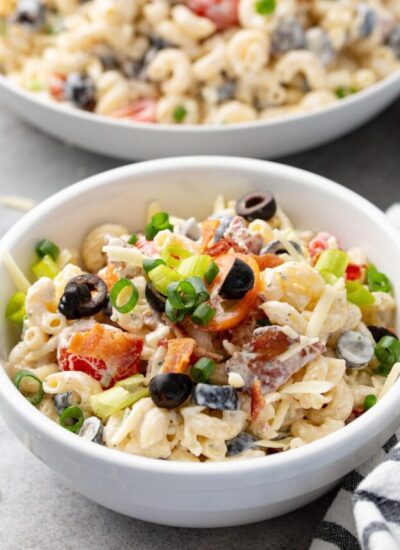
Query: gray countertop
36, 510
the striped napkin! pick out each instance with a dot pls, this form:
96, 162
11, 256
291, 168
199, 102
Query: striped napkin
366, 511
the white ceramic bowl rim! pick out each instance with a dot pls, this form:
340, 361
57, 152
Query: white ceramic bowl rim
38, 422
199, 128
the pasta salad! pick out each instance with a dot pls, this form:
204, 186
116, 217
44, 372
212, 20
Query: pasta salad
238, 336
198, 61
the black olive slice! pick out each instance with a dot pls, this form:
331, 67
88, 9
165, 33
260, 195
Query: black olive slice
240, 443
221, 398
380, 332
276, 247
238, 282
155, 299
258, 205
355, 348
169, 390
92, 430
83, 296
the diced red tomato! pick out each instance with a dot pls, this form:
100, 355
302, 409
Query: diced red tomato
141, 110
354, 272
224, 13
105, 354
57, 86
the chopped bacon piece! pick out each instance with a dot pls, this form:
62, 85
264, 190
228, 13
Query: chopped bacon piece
355, 413
260, 358
179, 353
224, 13
257, 399
57, 86
141, 110
217, 249
109, 275
147, 247
268, 342
319, 243
208, 229
267, 261
105, 354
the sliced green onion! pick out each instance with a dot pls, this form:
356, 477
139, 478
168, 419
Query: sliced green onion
159, 222
162, 276
173, 314
182, 295
46, 267
116, 290
196, 265
37, 397
72, 419
35, 86
329, 278
387, 350
377, 282
369, 401
203, 369
359, 295
15, 309
131, 382
133, 239
203, 314
47, 248
343, 92
108, 402
383, 370
179, 114
211, 273
333, 261
200, 288
265, 7
173, 255
148, 265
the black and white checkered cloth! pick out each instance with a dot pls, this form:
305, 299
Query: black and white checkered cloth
366, 511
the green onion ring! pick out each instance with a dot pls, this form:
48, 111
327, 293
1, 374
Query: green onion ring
117, 289
73, 413
36, 398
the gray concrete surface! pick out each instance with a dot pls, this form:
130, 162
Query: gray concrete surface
37, 512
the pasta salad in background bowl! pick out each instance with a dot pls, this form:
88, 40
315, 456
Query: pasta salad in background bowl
158, 339
149, 65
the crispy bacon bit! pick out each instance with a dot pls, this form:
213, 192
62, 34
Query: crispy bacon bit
267, 261
109, 275
217, 249
120, 351
355, 413
260, 358
57, 86
208, 228
268, 342
140, 110
319, 244
354, 272
179, 353
147, 247
257, 399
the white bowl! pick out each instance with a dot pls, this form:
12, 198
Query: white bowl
139, 141
192, 494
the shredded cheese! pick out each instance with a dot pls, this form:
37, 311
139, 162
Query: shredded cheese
131, 256
390, 380
321, 311
296, 348
287, 245
308, 387
21, 282
24, 204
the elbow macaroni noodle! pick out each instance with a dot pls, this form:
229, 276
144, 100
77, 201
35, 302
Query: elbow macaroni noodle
153, 61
